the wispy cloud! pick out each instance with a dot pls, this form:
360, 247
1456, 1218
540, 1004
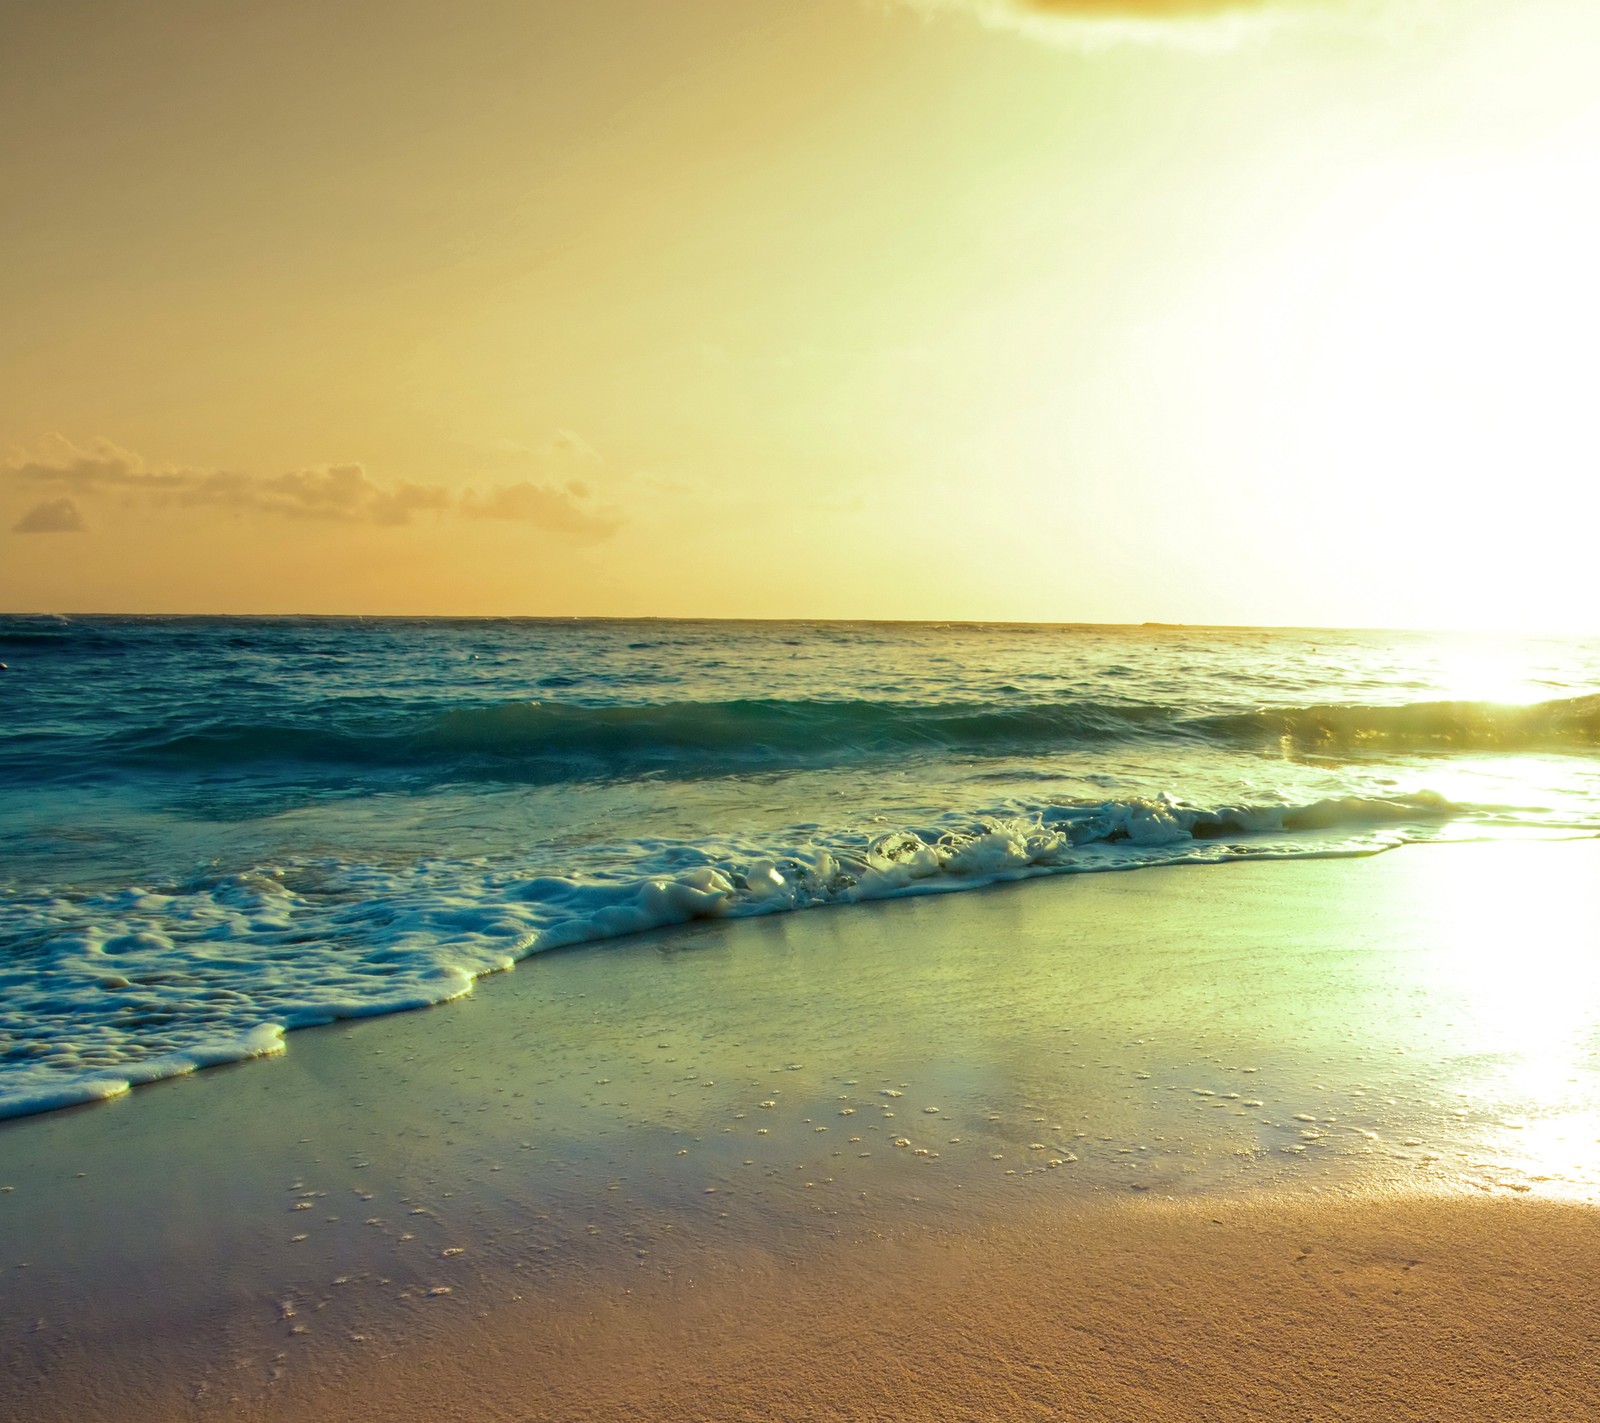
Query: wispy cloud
1099, 24
569, 509
566, 501
339, 493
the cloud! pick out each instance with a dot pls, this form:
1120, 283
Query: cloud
1136, 9
54, 516
339, 493
568, 509
564, 501
1099, 24
565, 444
62, 465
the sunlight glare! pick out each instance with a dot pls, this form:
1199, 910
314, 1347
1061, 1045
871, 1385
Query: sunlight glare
1528, 985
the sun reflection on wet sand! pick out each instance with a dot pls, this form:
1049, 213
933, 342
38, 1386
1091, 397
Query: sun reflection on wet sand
1516, 984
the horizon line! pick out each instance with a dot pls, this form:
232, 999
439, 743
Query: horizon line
874, 621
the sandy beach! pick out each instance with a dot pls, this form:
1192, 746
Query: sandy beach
1425, 1308
1269, 1141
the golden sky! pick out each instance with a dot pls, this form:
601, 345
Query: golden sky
1062, 310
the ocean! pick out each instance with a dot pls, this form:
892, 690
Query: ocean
217, 830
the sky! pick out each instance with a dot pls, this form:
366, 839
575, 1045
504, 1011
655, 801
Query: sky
1280, 313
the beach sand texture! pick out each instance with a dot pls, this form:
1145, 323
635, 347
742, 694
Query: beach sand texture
1277, 1141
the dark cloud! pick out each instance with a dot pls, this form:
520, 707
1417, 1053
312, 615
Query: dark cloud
341, 493
54, 516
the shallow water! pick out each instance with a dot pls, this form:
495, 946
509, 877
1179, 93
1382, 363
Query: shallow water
216, 830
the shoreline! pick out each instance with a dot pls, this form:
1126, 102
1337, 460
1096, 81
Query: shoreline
1340, 1047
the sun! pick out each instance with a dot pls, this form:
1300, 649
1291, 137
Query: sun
1419, 362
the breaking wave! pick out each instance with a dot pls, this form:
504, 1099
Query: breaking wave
104, 990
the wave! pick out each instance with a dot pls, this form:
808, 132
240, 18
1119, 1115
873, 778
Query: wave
552, 739
48, 638
101, 991
559, 738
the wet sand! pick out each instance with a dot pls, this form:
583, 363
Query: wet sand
1311, 1140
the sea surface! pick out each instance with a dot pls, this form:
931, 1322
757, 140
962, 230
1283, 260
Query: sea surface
215, 830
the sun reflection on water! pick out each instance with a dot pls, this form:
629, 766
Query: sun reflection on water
1481, 668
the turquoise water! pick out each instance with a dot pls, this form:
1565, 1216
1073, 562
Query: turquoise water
216, 830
